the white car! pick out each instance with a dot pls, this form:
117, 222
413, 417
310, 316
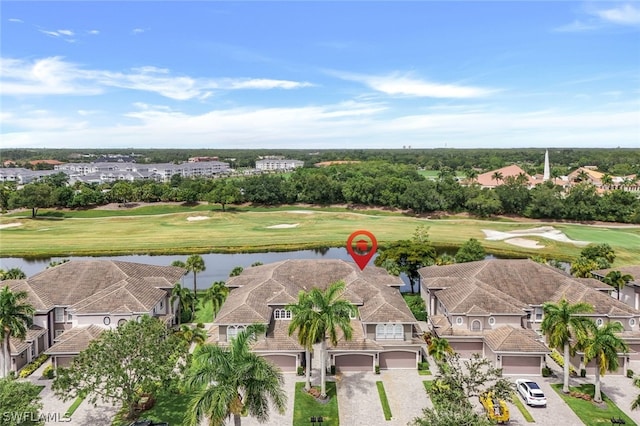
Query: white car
531, 392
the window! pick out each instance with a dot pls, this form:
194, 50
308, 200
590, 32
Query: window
69, 317
59, 313
390, 331
459, 320
632, 322
121, 321
282, 314
106, 320
58, 333
492, 320
233, 330
476, 325
33, 350
539, 313
599, 322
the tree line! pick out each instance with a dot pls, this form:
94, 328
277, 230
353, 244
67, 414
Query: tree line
371, 184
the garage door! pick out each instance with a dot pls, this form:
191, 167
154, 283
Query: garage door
287, 363
467, 349
521, 365
63, 361
397, 359
354, 362
634, 351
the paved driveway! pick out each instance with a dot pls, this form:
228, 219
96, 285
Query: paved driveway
358, 400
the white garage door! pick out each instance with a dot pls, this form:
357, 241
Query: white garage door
521, 365
287, 363
397, 359
354, 362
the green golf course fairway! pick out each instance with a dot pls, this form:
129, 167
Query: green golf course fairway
203, 230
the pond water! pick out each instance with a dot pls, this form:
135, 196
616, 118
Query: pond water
218, 265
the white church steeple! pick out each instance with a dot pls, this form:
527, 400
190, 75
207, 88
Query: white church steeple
547, 172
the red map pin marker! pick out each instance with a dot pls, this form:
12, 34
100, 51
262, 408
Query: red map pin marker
366, 249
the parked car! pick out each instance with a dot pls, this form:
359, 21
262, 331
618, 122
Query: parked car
531, 392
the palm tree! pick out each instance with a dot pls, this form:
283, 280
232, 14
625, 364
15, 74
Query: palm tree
617, 280
607, 180
194, 264
231, 381
472, 174
636, 402
15, 319
325, 313
439, 348
301, 318
560, 324
497, 176
191, 335
603, 345
216, 294
12, 274
184, 296
582, 176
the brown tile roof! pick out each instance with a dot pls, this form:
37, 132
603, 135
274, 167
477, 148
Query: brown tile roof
259, 288
128, 296
486, 179
72, 282
510, 339
75, 340
633, 270
17, 346
519, 283
40, 302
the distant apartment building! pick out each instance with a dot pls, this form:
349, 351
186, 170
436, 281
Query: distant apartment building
269, 164
111, 172
23, 176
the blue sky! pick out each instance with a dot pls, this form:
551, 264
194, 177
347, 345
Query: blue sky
322, 75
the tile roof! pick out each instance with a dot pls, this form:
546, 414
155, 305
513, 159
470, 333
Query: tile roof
258, 288
72, 282
17, 346
75, 340
486, 179
511, 339
518, 282
40, 302
633, 270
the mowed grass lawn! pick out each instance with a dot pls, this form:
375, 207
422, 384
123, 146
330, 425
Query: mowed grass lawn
590, 413
168, 230
305, 406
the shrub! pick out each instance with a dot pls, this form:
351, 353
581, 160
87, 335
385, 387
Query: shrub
377, 369
48, 372
300, 370
583, 372
546, 372
423, 365
630, 373
200, 325
28, 369
559, 359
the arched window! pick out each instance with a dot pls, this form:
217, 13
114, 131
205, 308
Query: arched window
233, 330
476, 325
390, 331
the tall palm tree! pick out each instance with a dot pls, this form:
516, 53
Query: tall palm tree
582, 176
229, 381
194, 264
497, 176
216, 294
439, 348
603, 345
326, 313
184, 297
617, 280
607, 180
561, 323
301, 319
15, 319
472, 174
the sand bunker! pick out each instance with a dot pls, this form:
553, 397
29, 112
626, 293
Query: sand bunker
9, 225
192, 218
523, 242
543, 231
283, 226
300, 211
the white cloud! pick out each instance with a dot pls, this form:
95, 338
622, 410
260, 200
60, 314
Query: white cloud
137, 31
349, 124
398, 84
622, 15
66, 32
16, 20
55, 76
576, 26
93, 32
